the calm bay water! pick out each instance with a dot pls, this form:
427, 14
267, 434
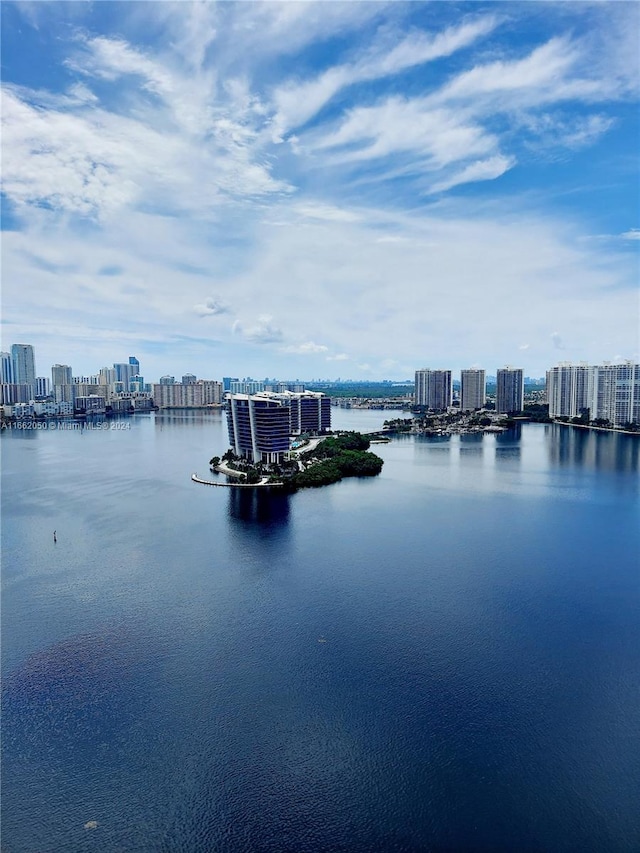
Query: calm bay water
443, 658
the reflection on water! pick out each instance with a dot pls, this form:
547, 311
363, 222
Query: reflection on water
611, 451
268, 508
511, 435
168, 418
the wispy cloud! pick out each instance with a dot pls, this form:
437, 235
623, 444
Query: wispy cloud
481, 170
296, 103
307, 348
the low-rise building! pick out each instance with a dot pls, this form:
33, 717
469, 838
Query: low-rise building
93, 404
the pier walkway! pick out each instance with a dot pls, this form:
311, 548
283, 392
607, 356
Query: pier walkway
264, 483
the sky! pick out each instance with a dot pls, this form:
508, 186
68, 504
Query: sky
320, 190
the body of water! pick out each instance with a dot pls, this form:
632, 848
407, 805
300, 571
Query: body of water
442, 658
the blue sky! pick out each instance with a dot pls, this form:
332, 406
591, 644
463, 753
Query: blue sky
307, 190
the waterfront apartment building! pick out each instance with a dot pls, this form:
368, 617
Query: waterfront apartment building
433, 389
246, 386
24, 364
509, 390
125, 401
609, 392
88, 389
203, 392
614, 393
568, 390
310, 411
473, 387
91, 404
261, 425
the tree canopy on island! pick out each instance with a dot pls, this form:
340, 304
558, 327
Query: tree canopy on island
338, 456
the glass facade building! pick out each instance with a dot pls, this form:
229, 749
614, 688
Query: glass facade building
261, 425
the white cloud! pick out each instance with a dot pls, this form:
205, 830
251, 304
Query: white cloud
296, 103
481, 170
210, 307
158, 162
437, 136
544, 67
262, 332
317, 210
307, 348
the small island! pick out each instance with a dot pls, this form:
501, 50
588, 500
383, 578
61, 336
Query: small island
318, 462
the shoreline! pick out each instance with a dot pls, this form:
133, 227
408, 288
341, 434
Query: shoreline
597, 428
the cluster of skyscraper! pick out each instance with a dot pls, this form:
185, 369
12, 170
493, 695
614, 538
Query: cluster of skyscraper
607, 392
434, 389
120, 388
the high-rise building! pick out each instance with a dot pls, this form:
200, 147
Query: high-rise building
568, 390
509, 390
63, 387
24, 364
14, 393
42, 386
614, 393
608, 392
6, 367
211, 391
189, 379
433, 389
246, 386
125, 371
226, 382
61, 374
473, 386
107, 376
167, 380
135, 364
260, 425
309, 411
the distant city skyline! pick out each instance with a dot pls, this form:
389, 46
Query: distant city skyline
125, 371
304, 190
